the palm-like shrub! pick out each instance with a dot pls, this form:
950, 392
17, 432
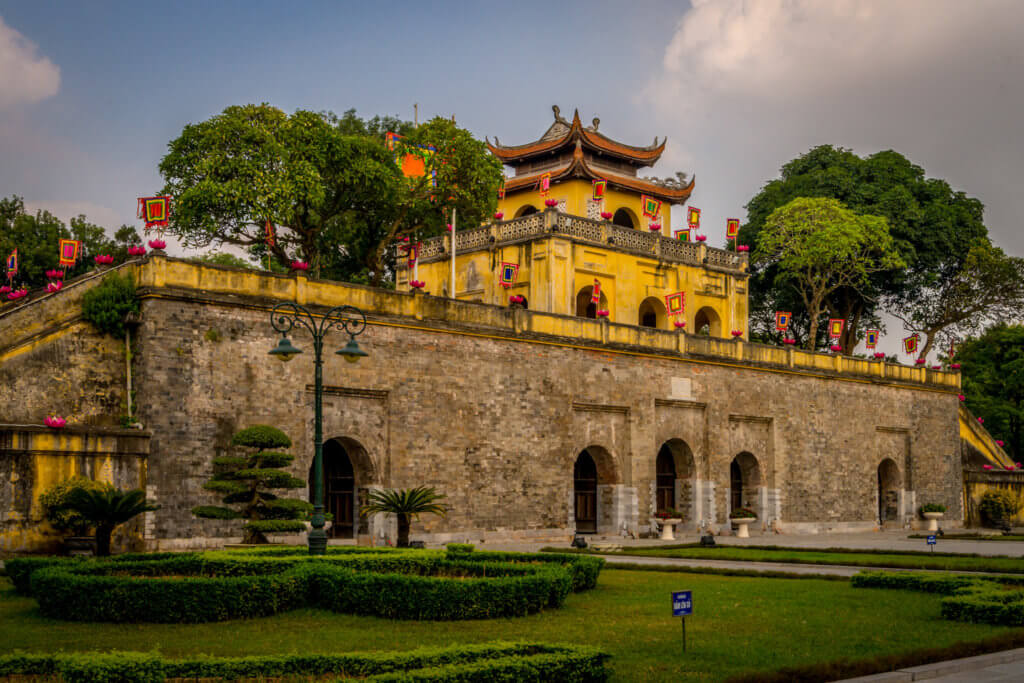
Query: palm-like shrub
407, 504
54, 501
248, 481
106, 508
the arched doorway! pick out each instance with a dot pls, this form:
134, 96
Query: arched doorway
526, 211
888, 491
584, 486
585, 308
624, 217
675, 473
744, 481
707, 322
348, 471
652, 313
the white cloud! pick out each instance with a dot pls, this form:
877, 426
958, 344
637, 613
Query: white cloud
25, 76
746, 85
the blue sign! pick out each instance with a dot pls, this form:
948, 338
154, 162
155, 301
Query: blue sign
682, 603
931, 540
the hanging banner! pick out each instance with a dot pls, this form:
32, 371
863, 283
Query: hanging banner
682, 235
545, 184
871, 339
154, 211
501, 188
782, 319
675, 303
595, 295
835, 327
952, 348
271, 234
414, 253
693, 217
68, 252
412, 159
650, 206
732, 228
509, 271
910, 343
12, 264
598, 187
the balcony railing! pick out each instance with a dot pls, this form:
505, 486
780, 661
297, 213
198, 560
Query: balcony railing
585, 230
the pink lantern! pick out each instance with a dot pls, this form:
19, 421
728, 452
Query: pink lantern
936, 367
737, 333
498, 216
417, 284
879, 355
54, 286
551, 203
701, 238
55, 274
300, 265
607, 215
742, 247
655, 227
1009, 467
981, 420
137, 250
920, 361
680, 324
986, 467
157, 244
836, 347
999, 442
5, 289
103, 259
789, 340
955, 366
603, 313
447, 227
962, 397
1019, 466
54, 422
17, 294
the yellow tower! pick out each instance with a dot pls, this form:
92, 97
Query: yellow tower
550, 249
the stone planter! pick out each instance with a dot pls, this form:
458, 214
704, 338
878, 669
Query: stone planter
742, 525
668, 527
933, 520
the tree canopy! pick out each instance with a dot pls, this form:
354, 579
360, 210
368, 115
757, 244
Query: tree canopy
37, 236
330, 185
993, 382
817, 247
933, 229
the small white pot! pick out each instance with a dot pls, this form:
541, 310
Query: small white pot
933, 520
741, 524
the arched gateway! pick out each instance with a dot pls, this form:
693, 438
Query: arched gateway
347, 473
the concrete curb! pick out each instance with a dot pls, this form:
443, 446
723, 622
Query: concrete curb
952, 666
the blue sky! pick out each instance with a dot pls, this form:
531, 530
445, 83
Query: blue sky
738, 87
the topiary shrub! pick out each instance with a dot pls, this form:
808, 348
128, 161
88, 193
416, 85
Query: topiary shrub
56, 508
997, 507
248, 481
106, 304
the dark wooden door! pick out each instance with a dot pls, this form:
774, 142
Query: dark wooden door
735, 485
585, 489
339, 490
666, 475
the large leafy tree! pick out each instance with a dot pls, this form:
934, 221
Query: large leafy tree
36, 237
989, 287
330, 185
993, 374
933, 229
817, 247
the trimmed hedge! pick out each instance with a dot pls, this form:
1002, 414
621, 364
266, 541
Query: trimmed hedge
486, 662
982, 600
215, 586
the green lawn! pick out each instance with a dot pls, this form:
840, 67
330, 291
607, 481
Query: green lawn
741, 624
898, 559
975, 537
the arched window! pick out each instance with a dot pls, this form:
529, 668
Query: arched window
707, 322
744, 480
624, 218
666, 481
526, 211
652, 312
585, 308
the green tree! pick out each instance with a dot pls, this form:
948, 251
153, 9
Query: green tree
330, 186
37, 236
933, 229
988, 288
993, 382
249, 481
407, 505
106, 508
818, 247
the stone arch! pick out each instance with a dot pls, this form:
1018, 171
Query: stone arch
585, 308
526, 210
349, 473
594, 478
680, 480
651, 313
890, 482
626, 219
707, 317
745, 483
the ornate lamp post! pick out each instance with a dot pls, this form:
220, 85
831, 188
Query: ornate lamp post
349, 319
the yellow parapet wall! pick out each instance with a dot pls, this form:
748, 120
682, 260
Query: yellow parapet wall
974, 433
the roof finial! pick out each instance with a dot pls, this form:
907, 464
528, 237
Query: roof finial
558, 115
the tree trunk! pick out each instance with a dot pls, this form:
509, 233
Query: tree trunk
403, 531
103, 534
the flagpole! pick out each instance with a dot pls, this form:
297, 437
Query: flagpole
452, 277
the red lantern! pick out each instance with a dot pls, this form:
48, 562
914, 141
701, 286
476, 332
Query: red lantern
607, 215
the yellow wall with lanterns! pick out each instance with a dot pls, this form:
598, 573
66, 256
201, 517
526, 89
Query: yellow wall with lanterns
577, 194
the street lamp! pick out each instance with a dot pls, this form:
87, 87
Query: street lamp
285, 317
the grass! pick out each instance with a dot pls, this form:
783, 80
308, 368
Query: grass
994, 536
741, 625
900, 559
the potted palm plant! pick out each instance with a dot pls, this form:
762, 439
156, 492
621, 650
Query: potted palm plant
741, 518
106, 508
407, 505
